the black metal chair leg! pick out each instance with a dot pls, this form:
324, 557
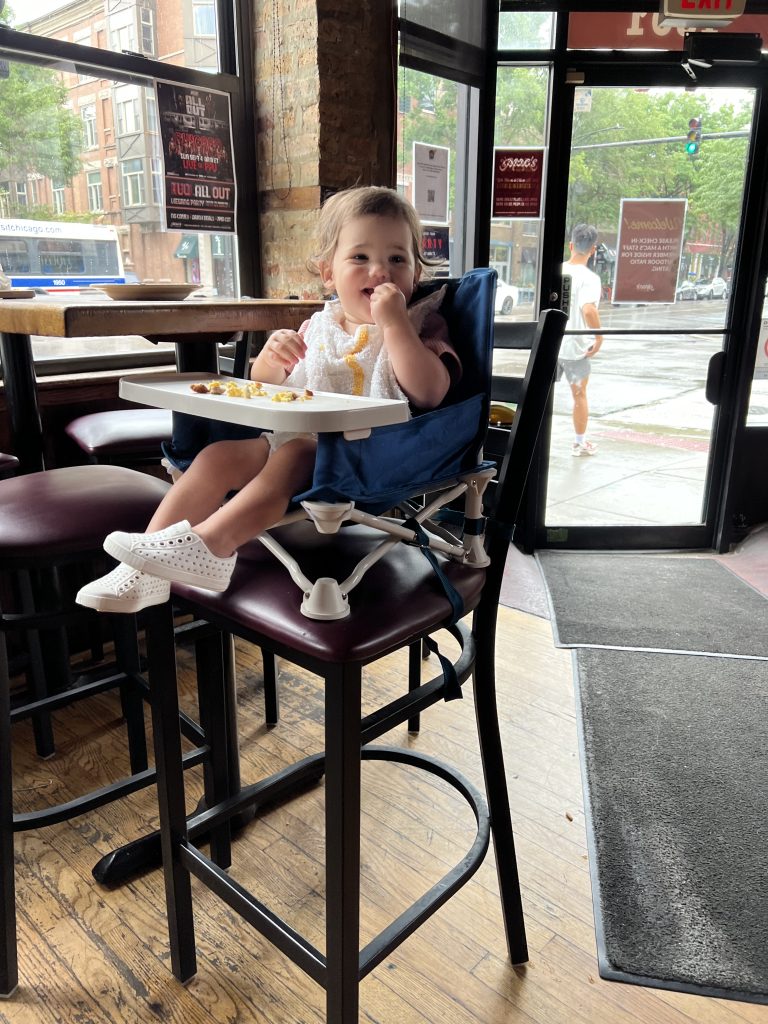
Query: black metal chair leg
124, 630
496, 790
170, 786
212, 670
9, 971
271, 693
42, 728
342, 822
415, 658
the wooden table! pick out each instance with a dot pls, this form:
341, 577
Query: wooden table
196, 326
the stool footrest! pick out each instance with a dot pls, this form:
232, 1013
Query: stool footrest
284, 785
97, 797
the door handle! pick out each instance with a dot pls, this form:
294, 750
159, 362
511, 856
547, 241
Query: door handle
715, 377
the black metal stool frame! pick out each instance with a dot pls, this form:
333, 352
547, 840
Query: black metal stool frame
347, 743
50, 612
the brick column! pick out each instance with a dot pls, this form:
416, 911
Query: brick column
325, 109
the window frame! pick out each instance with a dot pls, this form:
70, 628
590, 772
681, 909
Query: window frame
95, 190
234, 21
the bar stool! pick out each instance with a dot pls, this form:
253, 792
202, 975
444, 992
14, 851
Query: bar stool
123, 437
133, 437
50, 523
398, 604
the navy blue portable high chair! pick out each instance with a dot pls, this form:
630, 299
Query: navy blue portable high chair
398, 602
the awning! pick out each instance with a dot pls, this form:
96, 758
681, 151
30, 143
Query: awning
187, 248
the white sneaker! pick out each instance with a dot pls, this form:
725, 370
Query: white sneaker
585, 448
124, 590
175, 553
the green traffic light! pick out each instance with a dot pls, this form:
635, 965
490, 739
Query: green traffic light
691, 148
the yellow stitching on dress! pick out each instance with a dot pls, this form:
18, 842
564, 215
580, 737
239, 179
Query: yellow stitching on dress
358, 375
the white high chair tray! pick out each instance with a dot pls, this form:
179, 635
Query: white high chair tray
323, 411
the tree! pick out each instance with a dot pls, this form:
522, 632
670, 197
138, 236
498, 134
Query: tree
38, 135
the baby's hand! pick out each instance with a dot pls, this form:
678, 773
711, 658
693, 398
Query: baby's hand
388, 305
283, 350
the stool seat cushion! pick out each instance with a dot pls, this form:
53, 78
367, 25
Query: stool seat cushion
63, 513
8, 465
121, 431
398, 598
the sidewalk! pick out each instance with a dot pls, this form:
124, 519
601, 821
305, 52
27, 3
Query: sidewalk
648, 470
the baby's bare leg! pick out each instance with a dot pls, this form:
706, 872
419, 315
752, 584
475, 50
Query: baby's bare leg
262, 501
218, 469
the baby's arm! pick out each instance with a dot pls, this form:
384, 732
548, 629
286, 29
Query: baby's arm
420, 372
280, 354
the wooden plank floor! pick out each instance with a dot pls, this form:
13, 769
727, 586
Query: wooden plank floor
91, 956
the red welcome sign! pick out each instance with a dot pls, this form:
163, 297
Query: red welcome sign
517, 179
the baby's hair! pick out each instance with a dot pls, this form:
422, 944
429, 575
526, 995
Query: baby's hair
362, 201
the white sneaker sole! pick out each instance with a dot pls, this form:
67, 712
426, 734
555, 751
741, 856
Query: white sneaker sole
165, 572
121, 606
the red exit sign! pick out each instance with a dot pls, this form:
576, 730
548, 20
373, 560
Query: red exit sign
692, 10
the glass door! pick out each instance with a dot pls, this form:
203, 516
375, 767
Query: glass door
653, 210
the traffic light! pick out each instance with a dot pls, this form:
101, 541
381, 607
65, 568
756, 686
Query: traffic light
693, 139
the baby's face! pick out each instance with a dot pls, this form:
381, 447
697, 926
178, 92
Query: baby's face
370, 251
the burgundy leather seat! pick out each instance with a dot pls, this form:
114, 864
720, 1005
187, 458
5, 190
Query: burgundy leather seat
131, 436
8, 465
65, 514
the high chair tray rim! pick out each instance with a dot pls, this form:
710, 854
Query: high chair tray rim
324, 411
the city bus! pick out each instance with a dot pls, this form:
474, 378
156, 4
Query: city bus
59, 255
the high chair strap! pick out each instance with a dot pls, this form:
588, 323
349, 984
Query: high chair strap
452, 687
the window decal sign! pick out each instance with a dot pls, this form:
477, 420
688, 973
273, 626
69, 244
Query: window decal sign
430, 181
648, 250
196, 134
518, 175
434, 243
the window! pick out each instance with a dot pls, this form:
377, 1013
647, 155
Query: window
123, 37
128, 112
522, 95
14, 256
60, 257
133, 182
21, 193
88, 116
95, 194
120, 25
101, 147
156, 171
83, 38
204, 19
147, 31
59, 198
152, 125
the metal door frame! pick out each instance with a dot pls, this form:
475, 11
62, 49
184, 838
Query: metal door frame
641, 68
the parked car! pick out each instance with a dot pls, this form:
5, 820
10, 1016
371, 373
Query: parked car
686, 291
507, 297
711, 288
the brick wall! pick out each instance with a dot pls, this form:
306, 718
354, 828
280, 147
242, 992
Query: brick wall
325, 103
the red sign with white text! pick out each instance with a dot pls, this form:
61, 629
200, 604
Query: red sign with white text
517, 180
624, 31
